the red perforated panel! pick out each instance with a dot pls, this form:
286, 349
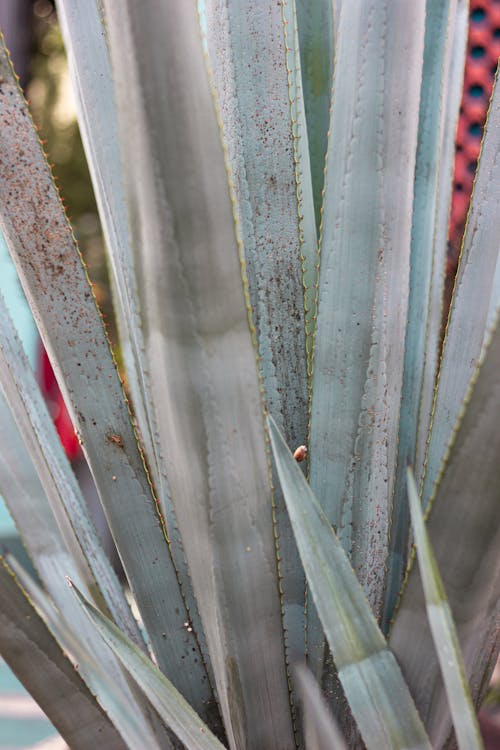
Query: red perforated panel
482, 56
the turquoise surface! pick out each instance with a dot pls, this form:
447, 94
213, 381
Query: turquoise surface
16, 302
16, 730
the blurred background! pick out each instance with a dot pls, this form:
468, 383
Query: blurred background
32, 35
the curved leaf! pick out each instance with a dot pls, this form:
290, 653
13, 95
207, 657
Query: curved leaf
371, 678
118, 708
56, 476
27, 502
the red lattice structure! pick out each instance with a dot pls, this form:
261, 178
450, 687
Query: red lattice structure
483, 52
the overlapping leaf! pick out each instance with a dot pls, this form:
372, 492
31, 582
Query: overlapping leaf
201, 357
464, 531
363, 285
443, 631
378, 696
126, 720
268, 158
53, 277
169, 703
473, 291
440, 19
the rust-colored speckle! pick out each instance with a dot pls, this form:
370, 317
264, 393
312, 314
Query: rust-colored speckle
111, 437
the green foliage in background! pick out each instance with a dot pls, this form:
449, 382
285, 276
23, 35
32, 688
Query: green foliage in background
273, 182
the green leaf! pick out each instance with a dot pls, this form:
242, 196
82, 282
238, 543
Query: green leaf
173, 709
90, 67
455, 62
372, 681
363, 285
269, 163
53, 277
438, 38
28, 504
36, 659
320, 728
62, 491
315, 23
84, 37
194, 302
463, 525
495, 300
124, 716
443, 630
66, 522
308, 238
471, 298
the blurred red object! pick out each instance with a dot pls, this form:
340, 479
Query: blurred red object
57, 407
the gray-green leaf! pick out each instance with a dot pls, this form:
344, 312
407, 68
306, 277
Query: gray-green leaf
443, 630
173, 709
372, 681
464, 530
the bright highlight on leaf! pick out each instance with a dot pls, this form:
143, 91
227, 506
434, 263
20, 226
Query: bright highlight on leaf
443, 630
372, 681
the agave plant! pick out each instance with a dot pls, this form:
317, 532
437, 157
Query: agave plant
274, 181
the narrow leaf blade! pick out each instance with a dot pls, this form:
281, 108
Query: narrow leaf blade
438, 38
315, 22
200, 349
55, 282
124, 716
451, 109
443, 631
463, 525
372, 681
36, 659
84, 34
363, 284
173, 709
473, 290
273, 199
46, 546
68, 506
84, 37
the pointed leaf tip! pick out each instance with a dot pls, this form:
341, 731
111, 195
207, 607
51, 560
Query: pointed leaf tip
359, 649
443, 630
173, 709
